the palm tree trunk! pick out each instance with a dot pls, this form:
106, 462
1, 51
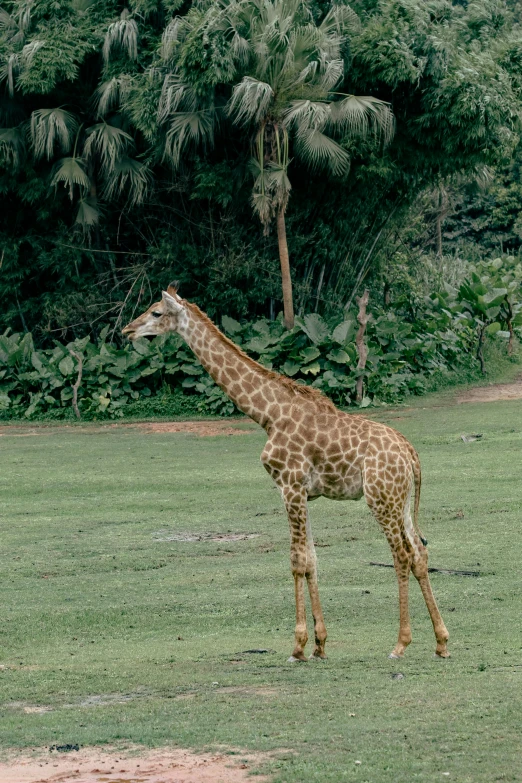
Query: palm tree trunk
286, 279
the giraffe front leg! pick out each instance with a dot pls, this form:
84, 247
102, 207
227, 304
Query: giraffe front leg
295, 502
319, 626
402, 560
301, 633
313, 589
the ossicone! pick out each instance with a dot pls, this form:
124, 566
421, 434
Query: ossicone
172, 288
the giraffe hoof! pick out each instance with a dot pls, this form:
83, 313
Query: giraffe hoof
443, 654
316, 657
395, 655
294, 659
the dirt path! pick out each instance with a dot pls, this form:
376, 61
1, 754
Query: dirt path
236, 426
90, 765
493, 392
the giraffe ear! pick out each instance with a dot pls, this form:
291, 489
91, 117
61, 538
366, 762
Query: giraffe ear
172, 303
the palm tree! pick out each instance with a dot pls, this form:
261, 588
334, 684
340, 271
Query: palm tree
284, 70
91, 152
99, 156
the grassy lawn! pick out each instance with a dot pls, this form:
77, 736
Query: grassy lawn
115, 628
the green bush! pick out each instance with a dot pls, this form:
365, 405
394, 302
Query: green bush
163, 377
406, 355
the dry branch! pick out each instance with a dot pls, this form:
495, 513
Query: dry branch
362, 350
450, 571
76, 385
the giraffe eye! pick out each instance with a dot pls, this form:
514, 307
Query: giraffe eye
156, 314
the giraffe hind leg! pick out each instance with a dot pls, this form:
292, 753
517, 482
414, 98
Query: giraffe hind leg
294, 497
387, 501
392, 511
420, 572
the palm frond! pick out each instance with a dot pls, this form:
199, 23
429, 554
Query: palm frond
30, 49
240, 48
71, 172
9, 70
88, 214
50, 128
331, 74
7, 22
188, 129
23, 14
12, 147
108, 142
361, 115
305, 44
319, 151
110, 94
307, 73
171, 38
278, 181
176, 95
250, 100
124, 35
263, 206
307, 114
339, 20
129, 178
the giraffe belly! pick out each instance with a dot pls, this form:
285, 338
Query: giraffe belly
348, 487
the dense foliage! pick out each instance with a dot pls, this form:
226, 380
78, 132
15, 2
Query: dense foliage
403, 355
121, 168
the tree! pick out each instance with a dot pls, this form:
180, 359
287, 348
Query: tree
284, 69
143, 90
99, 148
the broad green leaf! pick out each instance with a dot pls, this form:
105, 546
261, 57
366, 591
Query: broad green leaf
344, 331
311, 369
338, 355
309, 354
192, 369
66, 366
495, 296
230, 325
315, 327
261, 327
290, 368
493, 328
104, 402
258, 344
141, 346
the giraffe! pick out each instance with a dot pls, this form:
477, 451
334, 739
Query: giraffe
312, 450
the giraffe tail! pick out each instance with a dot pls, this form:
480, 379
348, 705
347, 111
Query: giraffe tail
417, 478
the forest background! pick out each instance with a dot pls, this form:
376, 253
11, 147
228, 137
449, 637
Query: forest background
375, 145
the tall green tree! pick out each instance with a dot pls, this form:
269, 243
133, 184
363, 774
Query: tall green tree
155, 113
284, 69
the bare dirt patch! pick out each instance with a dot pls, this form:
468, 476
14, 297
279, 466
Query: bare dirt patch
201, 428
494, 392
91, 765
166, 535
28, 709
235, 426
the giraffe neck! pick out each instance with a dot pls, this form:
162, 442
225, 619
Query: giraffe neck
247, 383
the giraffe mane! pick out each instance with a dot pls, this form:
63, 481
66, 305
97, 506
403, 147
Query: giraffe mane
297, 389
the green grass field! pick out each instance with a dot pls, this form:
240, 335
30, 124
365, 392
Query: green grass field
114, 628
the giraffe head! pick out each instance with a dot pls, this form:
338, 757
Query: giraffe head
163, 317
